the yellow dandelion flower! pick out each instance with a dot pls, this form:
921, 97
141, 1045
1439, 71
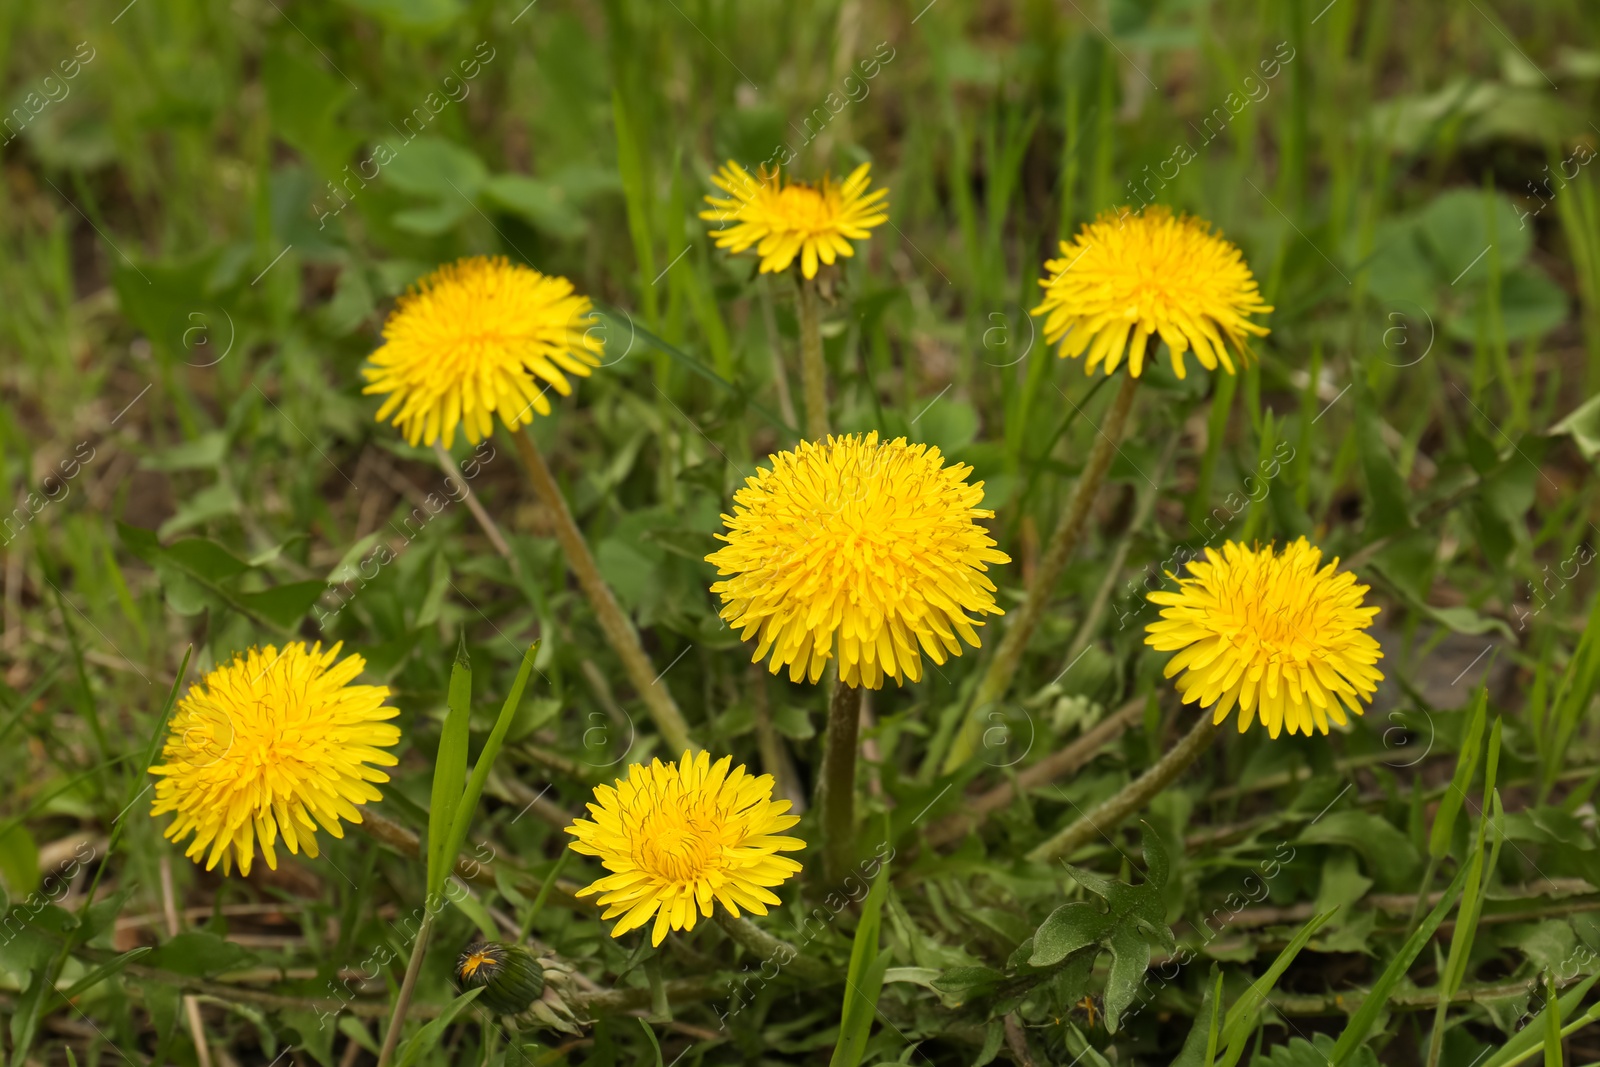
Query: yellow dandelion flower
877, 544
815, 222
275, 742
474, 338
1150, 274
679, 836
1272, 633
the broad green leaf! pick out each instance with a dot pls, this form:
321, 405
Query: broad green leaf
199, 953
1582, 424
542, 205
1133, 914
1389, 853
1455, 229
206, 559
437, 169
283, 605
19, 861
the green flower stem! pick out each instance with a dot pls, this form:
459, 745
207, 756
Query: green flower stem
1002, 667
837, 795
1131, 797
756, 940
813, 370
617, 626
408, 986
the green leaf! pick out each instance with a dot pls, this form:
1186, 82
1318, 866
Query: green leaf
1389, 853
1526, 1041
304, 100
1360, 1026
1133, 914
1455, 230
206, 559
1552, 1024
411, 14
199, 953
283, 605
863, 981
542, 205
19, 861
1444, 819
1241, 1019
424, 1040
468, 804
1200, 1047
25, 1017
1387, 509
1582, 424
1298, 1052
449, 771
437, 169
109, 969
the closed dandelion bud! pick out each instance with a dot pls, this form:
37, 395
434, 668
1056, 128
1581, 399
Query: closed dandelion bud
511, 979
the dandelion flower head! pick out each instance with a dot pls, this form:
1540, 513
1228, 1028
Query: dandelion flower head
678, 837
276, 742
1144, 275
869, 552
479, 336
784, 220
1274, 632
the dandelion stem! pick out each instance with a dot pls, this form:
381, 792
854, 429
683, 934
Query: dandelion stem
756, 940
447, 464
837, 795
1131, 797
1002, 667
813, 371
618, 628
408, 986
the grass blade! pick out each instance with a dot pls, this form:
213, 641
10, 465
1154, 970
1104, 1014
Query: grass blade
1241, 1019
1360, 1025
864, 980
467, 804
449, 770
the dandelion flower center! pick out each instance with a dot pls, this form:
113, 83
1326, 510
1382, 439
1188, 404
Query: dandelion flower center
679, 836
476, 337
815, 222
1145, 275
877, 545
1272, 633
272, 743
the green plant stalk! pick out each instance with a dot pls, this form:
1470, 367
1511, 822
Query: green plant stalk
616, 625
1002, 668
813, 368
837, 793
1131, 797
408, 986
751, 937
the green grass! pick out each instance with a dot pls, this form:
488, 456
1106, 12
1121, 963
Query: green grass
192, 280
